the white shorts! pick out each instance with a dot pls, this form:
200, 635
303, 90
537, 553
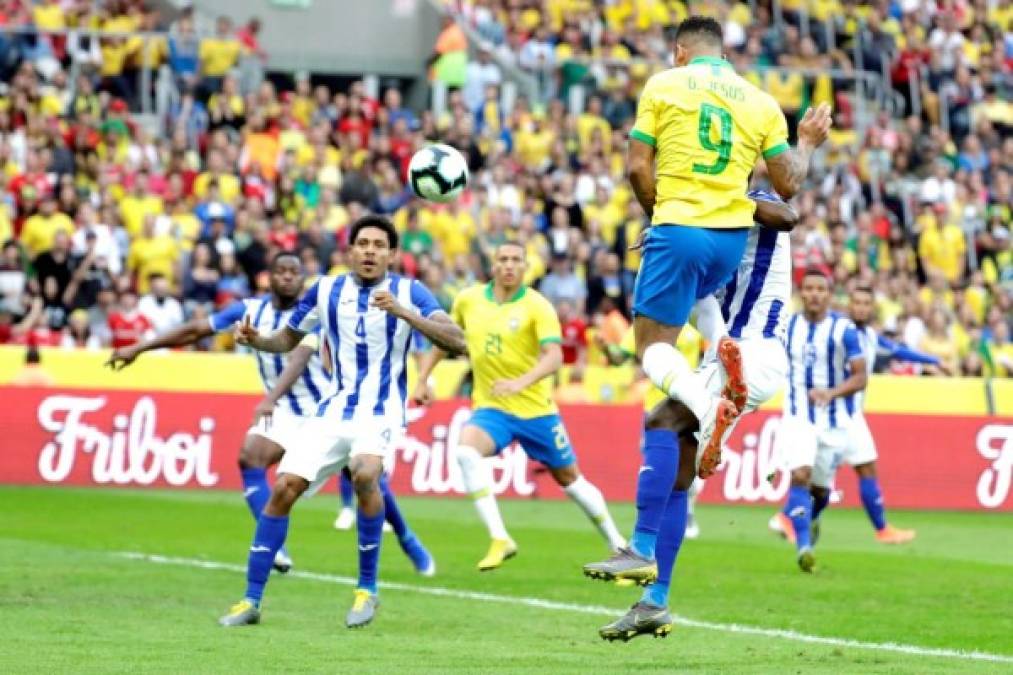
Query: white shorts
764, 366
322, 446
282, 428
799, 443
861, 449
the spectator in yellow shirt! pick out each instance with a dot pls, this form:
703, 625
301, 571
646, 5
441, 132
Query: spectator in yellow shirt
788, 90
943, 248
228, 183
592, 119
606, 212
138, 205
152, 254
40, 229
218, 55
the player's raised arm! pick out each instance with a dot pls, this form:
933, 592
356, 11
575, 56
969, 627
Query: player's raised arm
425, 316
776, 215
788, 169
185, 334
282, 340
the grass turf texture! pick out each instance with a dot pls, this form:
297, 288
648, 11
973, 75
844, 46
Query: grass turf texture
67, 603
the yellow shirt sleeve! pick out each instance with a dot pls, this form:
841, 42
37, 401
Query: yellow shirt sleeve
547, 328
776, 140
645, 127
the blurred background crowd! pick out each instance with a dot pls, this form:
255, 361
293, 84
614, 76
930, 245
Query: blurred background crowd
116, 223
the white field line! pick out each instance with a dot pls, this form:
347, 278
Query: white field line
597, 610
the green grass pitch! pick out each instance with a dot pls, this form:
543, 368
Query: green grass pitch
71, 602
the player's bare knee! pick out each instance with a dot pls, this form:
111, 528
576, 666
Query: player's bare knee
366, 472
867, 470
565, 475
801, 476
259, 453
287, 490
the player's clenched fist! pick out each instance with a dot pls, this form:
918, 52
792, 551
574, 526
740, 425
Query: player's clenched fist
423, 394
815, 125
245, 333
386, 301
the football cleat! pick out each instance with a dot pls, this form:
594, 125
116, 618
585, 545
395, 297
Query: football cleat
345, 519
363, 608
735, 389
781, 524
892, 535
243, 613
625, 565
500, 550
712, 432
806, 560
282, 563
692, 527
642, 619
417, 553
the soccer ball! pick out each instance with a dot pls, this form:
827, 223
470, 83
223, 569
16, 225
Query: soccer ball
438, 173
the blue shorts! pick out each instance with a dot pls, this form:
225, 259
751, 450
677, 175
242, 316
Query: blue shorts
682, 264
543, 438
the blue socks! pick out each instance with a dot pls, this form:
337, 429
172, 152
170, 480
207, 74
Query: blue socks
270, 535
370, 533
820, 501
390, 508
673, 529
798, 509
345, 488
654, 485
256, 490
872, 500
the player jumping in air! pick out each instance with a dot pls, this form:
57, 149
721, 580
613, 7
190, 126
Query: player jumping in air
367, 317
860, 449
513, 337
750, 309
699, 132
293, 384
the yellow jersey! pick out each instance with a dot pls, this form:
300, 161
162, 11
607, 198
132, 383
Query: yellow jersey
504, 342
709, 126
690, 343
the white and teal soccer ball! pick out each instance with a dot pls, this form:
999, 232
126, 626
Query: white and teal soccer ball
438, 173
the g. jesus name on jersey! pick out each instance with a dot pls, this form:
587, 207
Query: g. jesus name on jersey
302, 397
368, 346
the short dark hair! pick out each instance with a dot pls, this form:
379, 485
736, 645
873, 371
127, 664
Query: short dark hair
702, 28
379, 222
863, 288
284, 254
816, 272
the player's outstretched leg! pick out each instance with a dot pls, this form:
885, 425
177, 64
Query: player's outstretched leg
409, 541
475, 446
346, 513
591, 501
872, 501
272, 528
654, 486
256, 455
366, 471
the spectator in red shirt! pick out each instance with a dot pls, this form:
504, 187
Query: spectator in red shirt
574, 335
126, 324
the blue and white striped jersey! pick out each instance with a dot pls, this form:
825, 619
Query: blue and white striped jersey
305, 394
819, 357
369, 347
754, 302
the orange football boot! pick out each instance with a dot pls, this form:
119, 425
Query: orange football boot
893, 535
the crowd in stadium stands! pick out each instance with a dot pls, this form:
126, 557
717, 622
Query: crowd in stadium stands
111, 231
